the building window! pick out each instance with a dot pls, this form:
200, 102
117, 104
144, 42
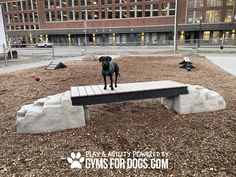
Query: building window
206, 35
36, 17
30, 6
191, 3
71, 15
64, 16
26, 18
217, 15
31, 15
59, 16
209, 16
229, 2
96, 14
70, 3
103, 14
53, 16
89, 14
58, 4
51, 4
77, 15
190, 17
76, 3
102, 2
117, 12
34, 4
172, 8
229, 15
155, 10
63, 2
5, 7
199, 3
83, 14
109, 1
139, 10
109, 11
124, 12
24, 5
45, 4
16, 18
147, 10
47, 17
21, 18
18, 5
95, 2
218, 3
132, 11
164, 9
198, 16
89, 2
210, 3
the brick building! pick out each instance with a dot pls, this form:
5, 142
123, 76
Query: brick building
110, 22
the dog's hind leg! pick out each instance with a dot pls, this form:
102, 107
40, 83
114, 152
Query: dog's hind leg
111, 82
105, 82
116, 75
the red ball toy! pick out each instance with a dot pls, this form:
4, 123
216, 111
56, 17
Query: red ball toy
37, 78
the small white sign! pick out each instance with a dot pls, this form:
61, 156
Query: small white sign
119, 160
2, 31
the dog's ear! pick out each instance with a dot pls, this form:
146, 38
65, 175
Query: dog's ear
100, 59
109, 58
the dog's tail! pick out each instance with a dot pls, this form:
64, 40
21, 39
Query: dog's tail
119, 74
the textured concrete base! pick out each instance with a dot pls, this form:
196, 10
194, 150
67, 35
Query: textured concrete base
50, 114
89, 57
198, 100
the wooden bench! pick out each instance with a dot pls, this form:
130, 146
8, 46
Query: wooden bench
95, 94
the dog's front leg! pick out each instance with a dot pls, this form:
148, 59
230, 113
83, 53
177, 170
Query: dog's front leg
105, 82
111, 82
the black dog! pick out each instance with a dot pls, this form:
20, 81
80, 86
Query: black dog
108, 68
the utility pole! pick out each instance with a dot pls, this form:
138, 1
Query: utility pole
85, 25
176, 27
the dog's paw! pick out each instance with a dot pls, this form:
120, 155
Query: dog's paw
115, 85
112, 88
75, 160
105, 88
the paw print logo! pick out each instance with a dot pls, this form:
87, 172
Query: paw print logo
75, 160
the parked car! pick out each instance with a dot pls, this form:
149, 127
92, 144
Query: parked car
43, 44
17, 44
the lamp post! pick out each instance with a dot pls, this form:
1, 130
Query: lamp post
200, 31
176, 26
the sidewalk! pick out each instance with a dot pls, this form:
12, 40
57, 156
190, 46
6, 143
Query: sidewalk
227, 62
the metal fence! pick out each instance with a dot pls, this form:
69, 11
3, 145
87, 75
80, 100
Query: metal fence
190, 42
31, 53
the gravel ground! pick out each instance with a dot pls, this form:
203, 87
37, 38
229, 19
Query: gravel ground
198, 144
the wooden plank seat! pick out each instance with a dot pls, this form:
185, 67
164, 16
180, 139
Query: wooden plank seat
95, 94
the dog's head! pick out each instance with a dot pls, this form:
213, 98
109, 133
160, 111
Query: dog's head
105, 61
